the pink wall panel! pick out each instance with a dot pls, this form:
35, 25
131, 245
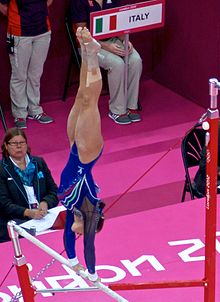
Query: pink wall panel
187, 50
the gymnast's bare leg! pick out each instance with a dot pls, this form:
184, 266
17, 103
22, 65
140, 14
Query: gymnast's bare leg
83, 126
84, 132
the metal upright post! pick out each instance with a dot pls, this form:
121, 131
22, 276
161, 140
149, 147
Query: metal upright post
211, 192
126, 45
27, 290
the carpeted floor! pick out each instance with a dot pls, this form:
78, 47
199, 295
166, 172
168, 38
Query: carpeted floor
141, 166
141, 178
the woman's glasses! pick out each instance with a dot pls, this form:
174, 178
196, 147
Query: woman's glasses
16, 144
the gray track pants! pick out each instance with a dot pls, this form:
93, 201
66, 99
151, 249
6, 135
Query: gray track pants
27, 64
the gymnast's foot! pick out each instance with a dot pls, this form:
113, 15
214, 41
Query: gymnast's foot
86, 41
78, 267
94, 277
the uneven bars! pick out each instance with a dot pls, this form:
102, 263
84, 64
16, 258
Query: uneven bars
211, 191
64, 261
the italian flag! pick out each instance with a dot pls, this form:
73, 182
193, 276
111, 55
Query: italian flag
108, 23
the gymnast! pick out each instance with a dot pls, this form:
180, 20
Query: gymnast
77, 190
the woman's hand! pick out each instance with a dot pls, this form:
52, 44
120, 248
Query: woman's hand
38, 213
114, 48
130, 47
34, 213
4, 9
49, 2
43, 207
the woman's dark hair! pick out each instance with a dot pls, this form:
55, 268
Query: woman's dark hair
10, 133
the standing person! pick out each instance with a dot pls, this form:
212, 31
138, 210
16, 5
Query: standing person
78, 191
27, 187
28, 40
111, 58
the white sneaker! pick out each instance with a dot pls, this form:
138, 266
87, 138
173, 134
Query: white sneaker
94, 277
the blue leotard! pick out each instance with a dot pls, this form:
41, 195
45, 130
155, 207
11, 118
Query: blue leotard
76, 184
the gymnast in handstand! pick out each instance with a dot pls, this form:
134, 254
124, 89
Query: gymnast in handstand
77, 190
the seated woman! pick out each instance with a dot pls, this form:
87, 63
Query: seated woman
27, 187
78, 191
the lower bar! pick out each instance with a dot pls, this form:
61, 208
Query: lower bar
153, 285
63, 290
